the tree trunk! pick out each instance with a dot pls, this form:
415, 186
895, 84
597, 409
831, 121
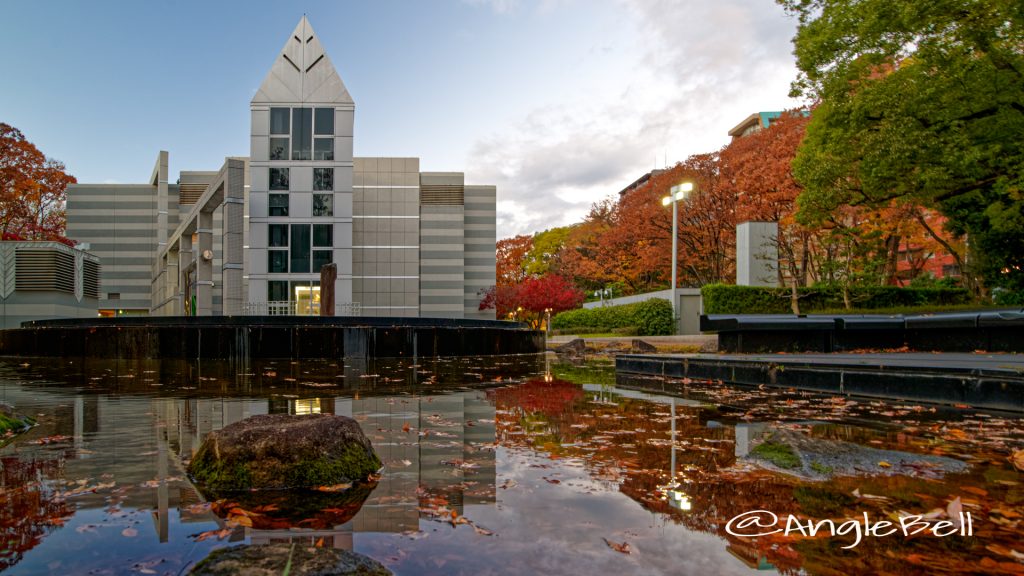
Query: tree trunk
966, 278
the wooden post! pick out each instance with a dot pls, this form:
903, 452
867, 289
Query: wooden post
328, 274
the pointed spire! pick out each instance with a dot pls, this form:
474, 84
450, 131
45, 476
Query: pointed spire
303, 73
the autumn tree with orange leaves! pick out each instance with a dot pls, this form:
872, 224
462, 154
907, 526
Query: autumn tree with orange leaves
628, 241
32, 190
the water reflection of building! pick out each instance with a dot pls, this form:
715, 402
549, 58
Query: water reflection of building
442, 452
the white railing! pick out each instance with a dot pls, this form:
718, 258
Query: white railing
298, 308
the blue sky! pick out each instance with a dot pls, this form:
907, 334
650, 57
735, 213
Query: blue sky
559, 103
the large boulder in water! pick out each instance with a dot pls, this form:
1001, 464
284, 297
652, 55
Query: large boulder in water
281, 451
301, 560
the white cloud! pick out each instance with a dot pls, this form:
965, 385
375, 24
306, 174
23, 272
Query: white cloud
696, 69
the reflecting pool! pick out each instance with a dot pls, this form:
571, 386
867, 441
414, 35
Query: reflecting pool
495, 466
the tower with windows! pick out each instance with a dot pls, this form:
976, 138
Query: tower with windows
300, 200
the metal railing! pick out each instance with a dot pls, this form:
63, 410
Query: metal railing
298, 308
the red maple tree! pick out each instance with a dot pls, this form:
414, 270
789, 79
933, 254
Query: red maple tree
532, 299
32, 190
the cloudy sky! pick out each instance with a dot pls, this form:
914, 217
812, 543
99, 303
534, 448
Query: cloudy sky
559, 103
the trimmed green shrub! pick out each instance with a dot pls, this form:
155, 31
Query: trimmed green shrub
648, 318
729, 299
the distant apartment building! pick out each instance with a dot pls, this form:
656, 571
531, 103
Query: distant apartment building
252, 237
753, 123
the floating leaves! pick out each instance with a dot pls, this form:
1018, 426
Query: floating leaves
622, 548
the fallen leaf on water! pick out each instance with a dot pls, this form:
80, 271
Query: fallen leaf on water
129, 532
885, 464
953, 510
334, 488
482, 531
406, 427
1017, 459
219, 534
623, 548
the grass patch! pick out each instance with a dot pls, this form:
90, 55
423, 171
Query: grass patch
821, 468
777, 453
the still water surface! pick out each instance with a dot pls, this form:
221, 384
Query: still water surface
506, 466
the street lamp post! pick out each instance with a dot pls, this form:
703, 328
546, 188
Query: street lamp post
676, 193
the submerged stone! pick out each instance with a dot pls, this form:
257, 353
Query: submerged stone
282, 451
301, 560
814, 458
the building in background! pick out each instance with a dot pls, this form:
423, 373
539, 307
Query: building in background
253, 236
753, 123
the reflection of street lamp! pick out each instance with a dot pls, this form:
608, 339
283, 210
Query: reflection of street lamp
676, 193
679, 500
676, 498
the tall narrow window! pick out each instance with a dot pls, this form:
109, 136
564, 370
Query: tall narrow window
323, 148
323, 237
302, 133
300, 248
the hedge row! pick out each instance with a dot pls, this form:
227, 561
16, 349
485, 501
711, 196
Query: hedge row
650, 318
729, 299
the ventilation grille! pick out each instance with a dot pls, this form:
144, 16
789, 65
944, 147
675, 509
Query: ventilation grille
189, 193
44, 270
91, 280
439, 194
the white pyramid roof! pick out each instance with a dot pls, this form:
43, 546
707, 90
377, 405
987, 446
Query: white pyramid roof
303, 73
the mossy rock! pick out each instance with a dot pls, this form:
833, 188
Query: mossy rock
12, 423
301, 560
282, 451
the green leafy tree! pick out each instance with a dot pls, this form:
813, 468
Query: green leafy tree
918, 102
547, 245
